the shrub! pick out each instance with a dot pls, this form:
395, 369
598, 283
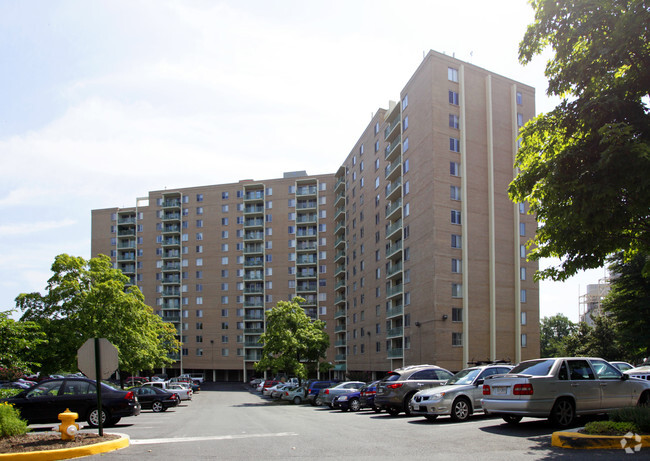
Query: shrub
10, 421
6, 393
640, 416
610, 428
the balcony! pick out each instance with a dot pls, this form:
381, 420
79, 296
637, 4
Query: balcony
171, 267
393, 169
254, 301
339, 183
253, 331
254, 222
340, 270
254, 195
253, 249
171, 304
339, 357
339, 255
340, 229
339, 299
394, 290
171, 217
306, 190
340, 313
394, 269
306, 259
394, 332
174, 280
254, 209
173, 228
393, 150
171, 203
254, 289
394, 311
253, 355
128, 268
171, 242
306, 204
339, 328
339, 197
126, 256
392, 128
253, 262
171, 254
306, 287
253, 344
339, 210
171, 291
306, 274
393, 189
394, 248
126, 220
126, 245
395, 353
307, 218
128, 232
310, 245
340, 343
254, 236
393, 207
175, 318
307, 231
393, 228
253, 275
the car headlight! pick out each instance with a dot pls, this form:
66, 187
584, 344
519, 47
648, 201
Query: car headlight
343, 397
438, 396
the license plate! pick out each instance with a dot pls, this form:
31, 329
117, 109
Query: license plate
416, 407
500, 390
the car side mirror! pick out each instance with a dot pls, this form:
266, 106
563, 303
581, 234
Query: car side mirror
479, 382
625, 377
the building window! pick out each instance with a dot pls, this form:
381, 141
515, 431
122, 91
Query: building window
522, 273
452, 74
454, 192
456, 290
405, 102
524, 340
456, 314
406, 122
199, 197
453, 121
406, 162
224, 221
456, 339
519, 98
224, 195
406, 144
520, 120
455, 217
523, 296
522, 229
454, 168
523, 318
456, 241
453, 98
454, 145
522, 251
376, 127
456, 265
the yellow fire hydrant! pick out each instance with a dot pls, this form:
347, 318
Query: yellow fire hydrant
68, 428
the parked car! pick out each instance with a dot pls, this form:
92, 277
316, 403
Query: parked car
460, 397
295, 394
355, 401
198, 377
279, 389
395, 390
642, 372
183, 392
623, 366
327, 395
561, 388
14, 385
313, 391
43, 402
156, 399
256, 382
136, 381
187, 382
367, 397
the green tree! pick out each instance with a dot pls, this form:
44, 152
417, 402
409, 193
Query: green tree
553, 332
628, 303
603, 339
17, 340
584, 167
87, 299
575, 345
292, 341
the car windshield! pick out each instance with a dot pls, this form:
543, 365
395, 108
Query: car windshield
533, 367
466, 376
391, 377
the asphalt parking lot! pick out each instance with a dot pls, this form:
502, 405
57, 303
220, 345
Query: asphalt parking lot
230, 422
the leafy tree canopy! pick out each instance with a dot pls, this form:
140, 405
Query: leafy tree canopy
628, 303
17, 340
584, 167
292, 341
88, 299
553, 331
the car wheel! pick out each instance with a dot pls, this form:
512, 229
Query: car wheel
644, 400
460, 410
318, 401
563, 413
431, 417
93, 417
407, 404
114, 421
344, 409
157, 406
297, 400
512, 419
354, 405
376, 409
393, 411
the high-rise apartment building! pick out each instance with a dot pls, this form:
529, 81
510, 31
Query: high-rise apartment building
411, 252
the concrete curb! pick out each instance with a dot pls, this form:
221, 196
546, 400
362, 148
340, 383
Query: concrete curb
67, 453
578, 441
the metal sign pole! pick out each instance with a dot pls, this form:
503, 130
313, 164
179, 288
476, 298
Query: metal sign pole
98, 383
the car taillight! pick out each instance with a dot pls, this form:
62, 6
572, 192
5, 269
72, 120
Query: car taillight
327, 391
174, 396
286, 393
486, 389
130, 396
395, 385
522, 389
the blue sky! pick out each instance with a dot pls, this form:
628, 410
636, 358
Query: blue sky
103, 101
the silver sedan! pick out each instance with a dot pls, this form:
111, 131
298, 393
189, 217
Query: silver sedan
560, 389
459, 397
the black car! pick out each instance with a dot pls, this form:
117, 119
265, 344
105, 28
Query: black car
43, 402
156, 399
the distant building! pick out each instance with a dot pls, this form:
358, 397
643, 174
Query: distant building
411, 251
591, 301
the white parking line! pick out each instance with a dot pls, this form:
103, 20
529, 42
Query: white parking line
214, 437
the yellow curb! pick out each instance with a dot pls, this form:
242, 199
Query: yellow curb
67, 453
579, 441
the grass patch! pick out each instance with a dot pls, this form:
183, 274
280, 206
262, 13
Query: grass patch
610, 428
